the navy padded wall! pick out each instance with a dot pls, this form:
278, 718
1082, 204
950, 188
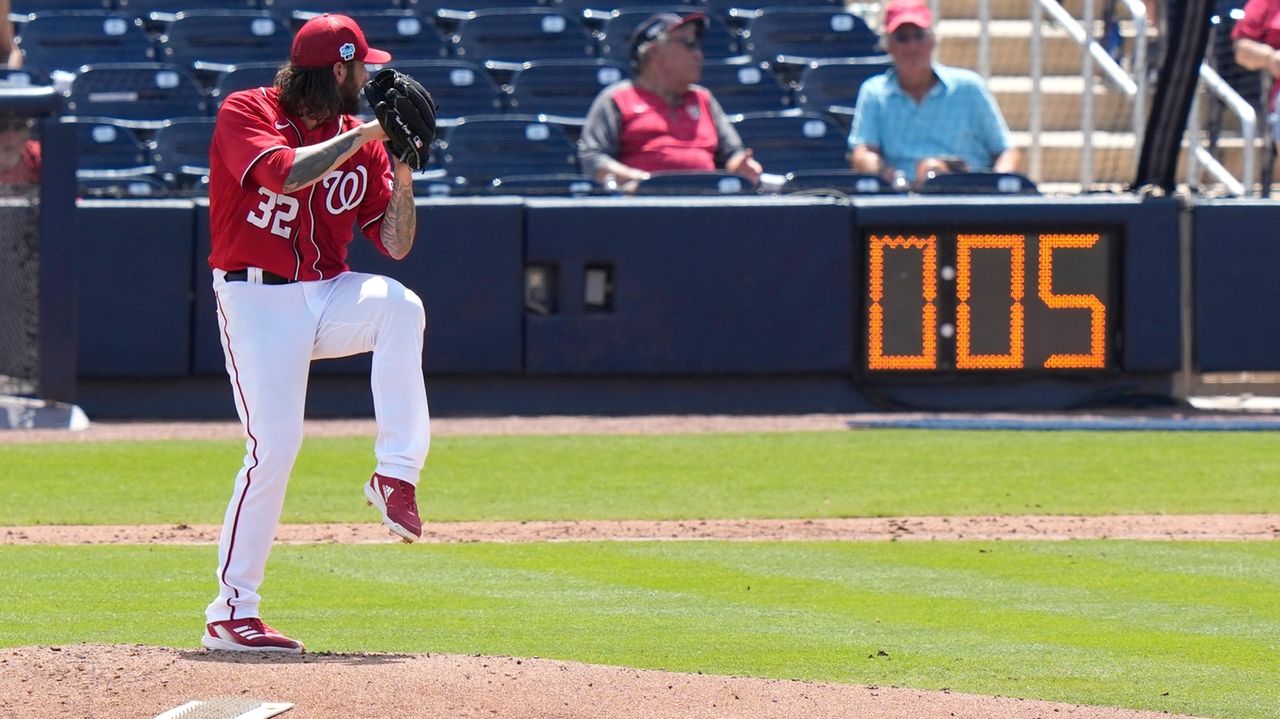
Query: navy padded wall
700, 287
134, 288
1237, 298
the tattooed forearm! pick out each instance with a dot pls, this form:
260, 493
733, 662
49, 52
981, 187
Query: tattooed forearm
401, 220
312, 162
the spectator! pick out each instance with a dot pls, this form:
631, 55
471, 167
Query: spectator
8, 48
661, 120
1255, 41
922, 118
19, 154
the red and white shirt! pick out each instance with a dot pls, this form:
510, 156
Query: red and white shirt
1261, 22
301, 235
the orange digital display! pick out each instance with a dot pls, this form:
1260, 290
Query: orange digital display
960, 302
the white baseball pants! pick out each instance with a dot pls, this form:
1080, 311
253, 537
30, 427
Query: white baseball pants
270, 334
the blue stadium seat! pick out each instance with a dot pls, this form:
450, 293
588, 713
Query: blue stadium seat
243, 76
214, 40
799, 35
694, 183
979, 183
67, 40
286, 8
562, 88
166, 9
744, 87
615, 42
480, 149
579, 6
107, 149
121, 188
509, 37
404, 34
180, 151
459, 88
831, 86
721, 8
146, 94
785, 143
848, 182
22, 77
23, 7
562, 185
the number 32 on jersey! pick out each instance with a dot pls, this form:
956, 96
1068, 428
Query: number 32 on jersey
274, 213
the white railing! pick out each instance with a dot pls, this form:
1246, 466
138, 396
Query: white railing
1198, 155
1135, 89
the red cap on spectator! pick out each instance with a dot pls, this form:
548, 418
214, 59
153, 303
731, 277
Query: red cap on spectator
326, 39
906, 12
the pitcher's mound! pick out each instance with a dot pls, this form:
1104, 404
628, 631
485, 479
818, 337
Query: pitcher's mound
106, 682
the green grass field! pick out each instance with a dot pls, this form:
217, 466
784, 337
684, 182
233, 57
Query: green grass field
1184, 627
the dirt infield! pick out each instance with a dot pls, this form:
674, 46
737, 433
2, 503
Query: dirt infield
110, 681
1220, 527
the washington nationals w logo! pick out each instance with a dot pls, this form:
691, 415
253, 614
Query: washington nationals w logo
345, 189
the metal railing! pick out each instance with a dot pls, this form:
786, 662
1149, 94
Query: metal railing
1198, 155
1134, 87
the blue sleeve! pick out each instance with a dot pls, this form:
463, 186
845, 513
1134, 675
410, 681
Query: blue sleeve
867, 126
992, 130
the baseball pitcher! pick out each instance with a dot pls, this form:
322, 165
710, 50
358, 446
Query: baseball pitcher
291, 173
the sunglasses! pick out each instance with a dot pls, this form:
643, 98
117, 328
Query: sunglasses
910, 35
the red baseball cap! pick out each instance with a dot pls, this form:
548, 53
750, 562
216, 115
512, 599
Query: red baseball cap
906, 12
326, 39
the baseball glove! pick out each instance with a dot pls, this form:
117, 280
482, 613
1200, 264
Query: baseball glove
406, 112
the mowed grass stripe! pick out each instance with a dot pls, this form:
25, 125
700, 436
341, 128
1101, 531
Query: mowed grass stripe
793, 475
1112, 623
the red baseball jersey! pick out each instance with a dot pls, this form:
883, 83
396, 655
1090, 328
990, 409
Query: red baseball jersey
302, 235
656, 137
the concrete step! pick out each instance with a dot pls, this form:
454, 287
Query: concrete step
1113, 158
1061, 98
1010, 46
1014, 9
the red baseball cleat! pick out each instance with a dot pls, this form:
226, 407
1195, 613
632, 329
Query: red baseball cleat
394, 498
247, 635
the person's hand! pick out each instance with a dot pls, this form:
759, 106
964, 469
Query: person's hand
930, 167
744, 164
1273, 63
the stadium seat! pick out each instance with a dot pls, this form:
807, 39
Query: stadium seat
286, 8
22, 77
434, 183
979, 183
615, 42
744, 87
508, 37
107, 149
242, 77
459, 88
694, 183
580, 6
145, 94
166, 9
180, 151
831, 86
480, 149
785, 143
847, 182
563, 185
121, 188
799, 35
65, 41
24, 7
721, 8
213, 40
402, 33
562, 88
